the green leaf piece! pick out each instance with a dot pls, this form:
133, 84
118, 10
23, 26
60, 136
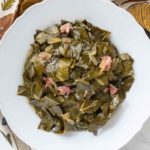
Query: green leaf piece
7, 4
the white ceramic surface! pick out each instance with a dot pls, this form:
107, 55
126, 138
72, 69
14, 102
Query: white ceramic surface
128, 37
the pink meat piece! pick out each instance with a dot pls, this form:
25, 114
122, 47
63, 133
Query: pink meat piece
64, 90
66, 28
106, 90
49, 82
43, 56
105, 63
113, 89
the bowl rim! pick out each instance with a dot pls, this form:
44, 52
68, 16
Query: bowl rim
28, 11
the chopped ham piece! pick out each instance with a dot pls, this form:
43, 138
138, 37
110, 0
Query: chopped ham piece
113, 89
64, 90
43, 56
105, 63
106, 90
66, 28
49, 82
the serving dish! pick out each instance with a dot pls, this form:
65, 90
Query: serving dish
127, 35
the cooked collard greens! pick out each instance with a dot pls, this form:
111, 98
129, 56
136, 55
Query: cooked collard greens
75, 77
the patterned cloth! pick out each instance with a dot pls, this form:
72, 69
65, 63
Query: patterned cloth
138, 8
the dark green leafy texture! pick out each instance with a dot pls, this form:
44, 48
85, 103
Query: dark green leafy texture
75, 78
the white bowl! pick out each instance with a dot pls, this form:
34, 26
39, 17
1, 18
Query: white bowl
127, 35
